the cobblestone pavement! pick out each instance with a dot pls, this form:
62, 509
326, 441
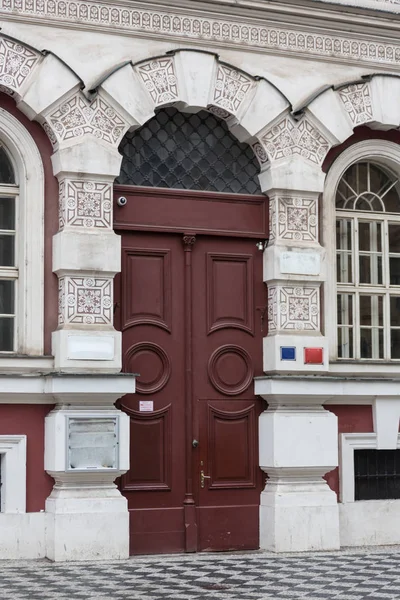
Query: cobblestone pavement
353, 575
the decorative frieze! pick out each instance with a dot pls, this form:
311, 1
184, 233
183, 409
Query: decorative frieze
77, 117
288, 138
357, 102
293, 308
231, 88
160, 79
16, 64
293, 219
206, 29
85, 301
85, 204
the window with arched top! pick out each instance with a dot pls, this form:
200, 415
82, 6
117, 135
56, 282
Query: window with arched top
9, 193
188, 151
367, 204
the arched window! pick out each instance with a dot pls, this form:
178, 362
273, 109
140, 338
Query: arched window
188, 151
9, 192
367, 201
21, 241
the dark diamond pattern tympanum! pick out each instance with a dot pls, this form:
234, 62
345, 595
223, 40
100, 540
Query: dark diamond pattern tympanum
188, 151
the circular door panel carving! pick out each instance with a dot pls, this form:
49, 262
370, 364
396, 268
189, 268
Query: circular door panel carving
151, 363
230, 370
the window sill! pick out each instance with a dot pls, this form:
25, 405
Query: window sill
11, 363
367, 367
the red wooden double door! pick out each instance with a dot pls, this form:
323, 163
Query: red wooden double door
190, 302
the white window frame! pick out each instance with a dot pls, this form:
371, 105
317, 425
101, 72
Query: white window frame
13, 473
29, 175
387, 155
348, 442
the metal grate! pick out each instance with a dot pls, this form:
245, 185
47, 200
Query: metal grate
188, 151
377, 474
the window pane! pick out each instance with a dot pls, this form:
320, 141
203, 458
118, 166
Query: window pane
394, 238
7, 258
345, 342
369, 236
370, 269
344, 267
345, 309
6, 297
371, 310
189, 151
6, 334
395, 311
6, 170
343, 234
7, 213
377, 474
395, 343
394, 268
371, 343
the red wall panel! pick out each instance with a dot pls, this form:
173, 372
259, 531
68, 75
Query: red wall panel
28, 419
351, 419
51, 216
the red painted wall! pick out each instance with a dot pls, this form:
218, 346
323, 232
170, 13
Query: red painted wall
351, 419
51, 216
28, 419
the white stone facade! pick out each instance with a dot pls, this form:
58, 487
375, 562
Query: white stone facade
292, 95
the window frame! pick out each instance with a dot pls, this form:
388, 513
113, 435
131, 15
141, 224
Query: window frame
29, 244
386, 155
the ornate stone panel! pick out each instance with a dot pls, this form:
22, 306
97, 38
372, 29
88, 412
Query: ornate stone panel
288, 138
85, 204
16, 64
77, 117
160, 79
293, 308
85, 300
357, 102
164, 24
259, 151
231, 88
293, 219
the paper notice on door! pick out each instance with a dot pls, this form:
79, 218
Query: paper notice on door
146, 405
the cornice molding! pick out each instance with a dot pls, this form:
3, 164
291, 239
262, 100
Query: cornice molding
189, 25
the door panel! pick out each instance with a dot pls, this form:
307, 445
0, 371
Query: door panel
228, 351
149, 296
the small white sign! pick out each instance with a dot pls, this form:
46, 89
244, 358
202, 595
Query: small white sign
300, 263
146, 405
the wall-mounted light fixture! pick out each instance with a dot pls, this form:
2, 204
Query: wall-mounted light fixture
262, 244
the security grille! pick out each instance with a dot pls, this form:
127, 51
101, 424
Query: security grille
188, 151
377, 474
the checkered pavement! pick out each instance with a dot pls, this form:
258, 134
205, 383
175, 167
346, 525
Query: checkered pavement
355, 575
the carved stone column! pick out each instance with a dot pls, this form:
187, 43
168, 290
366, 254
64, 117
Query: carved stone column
298, 438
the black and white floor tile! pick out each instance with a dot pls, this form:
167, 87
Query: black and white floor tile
352, 575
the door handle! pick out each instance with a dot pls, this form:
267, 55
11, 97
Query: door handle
203, 478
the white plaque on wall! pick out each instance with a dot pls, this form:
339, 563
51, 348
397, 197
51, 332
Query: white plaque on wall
300, 263
90, 347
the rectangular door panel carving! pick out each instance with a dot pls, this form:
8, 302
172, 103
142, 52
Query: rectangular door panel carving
150, 451
149, 300
232, 462
230, 291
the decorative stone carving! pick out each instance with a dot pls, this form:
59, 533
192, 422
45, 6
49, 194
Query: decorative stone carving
160, 79
16, 64
219, 112
77, 117
85, 300
293, 219
85, 204
293, 308
163, 24
260, 153
357, 102
231, 88
288, 138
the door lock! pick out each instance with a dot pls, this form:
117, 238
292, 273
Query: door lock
203, 478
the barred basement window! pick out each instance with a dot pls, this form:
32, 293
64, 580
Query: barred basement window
188, 151
377, 474
8, 258
368, 263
